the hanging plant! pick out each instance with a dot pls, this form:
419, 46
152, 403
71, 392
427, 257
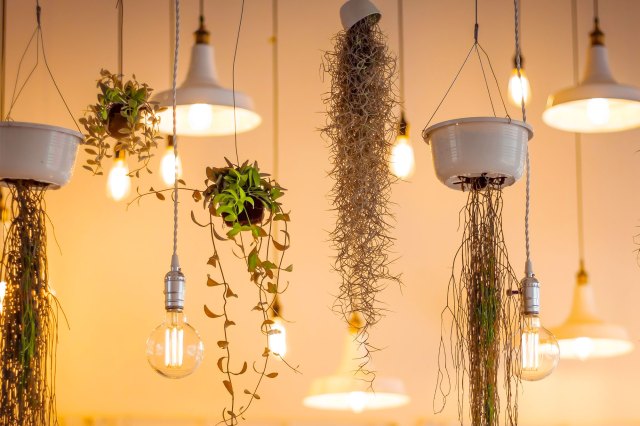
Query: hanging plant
29, 319
123, 115
361, 127
243, 206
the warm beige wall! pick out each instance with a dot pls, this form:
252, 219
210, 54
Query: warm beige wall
109, 271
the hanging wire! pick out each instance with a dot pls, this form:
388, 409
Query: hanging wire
578, 136
478, 49
175, 135
3, 57
401, 51
233, 84
276, 307
120, 6
38, 36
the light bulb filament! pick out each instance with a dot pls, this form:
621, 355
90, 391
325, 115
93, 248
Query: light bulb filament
173, 347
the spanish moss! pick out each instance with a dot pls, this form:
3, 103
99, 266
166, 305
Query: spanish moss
481, 321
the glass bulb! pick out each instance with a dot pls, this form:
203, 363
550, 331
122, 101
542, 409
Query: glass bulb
200, 117
598, 111
539, 350
174, 348
402, 158
167, 167
3, 291
118, 182
516, 88
358, 401
278, 341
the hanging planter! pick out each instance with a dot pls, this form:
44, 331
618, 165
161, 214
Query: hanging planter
37, 152
471, 147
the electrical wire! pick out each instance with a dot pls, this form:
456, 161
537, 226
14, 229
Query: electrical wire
175, 135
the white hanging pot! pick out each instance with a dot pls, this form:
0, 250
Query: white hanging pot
478, 147
39, 152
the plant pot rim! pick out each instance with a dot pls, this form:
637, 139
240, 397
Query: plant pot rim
41, 126
457, 121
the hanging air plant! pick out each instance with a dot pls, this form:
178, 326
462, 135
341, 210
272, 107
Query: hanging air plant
29, 320
124, 115
361, 127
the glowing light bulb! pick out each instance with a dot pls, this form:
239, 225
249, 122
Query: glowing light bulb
358, 401
119, 182
174, 348
539, 350
168, 165
598, 111
200, 117
517, 89
402, 158
3, 291
278, 341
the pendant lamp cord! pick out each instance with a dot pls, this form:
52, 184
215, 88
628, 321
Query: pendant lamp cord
3, 57
578, 136
120, 6
401, 51
528, 269
233, 84
174, 258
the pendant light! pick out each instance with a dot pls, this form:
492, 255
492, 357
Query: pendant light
402, 157
350, 387
519, 86
598, 104
174, 348
584, 334
168, 165
204, 108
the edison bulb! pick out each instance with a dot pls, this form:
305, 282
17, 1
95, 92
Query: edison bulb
402, 158
598, 111
539, 350
3, 291
200, 117
278, 341
517, 88
168, 167
174, 348
118, 182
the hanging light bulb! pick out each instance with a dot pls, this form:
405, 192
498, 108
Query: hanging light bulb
277, 339
168, 164
204, 108
519, 87
349, 388
539, 350
585, 335
3, 291
402, 158
598, 104
174, 348
118, 181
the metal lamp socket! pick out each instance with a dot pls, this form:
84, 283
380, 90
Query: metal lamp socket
174, 287
530, 291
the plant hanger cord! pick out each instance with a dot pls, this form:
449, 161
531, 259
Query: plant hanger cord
37, 35
233, 83
276, 100
478, 49
120, 6
401, 53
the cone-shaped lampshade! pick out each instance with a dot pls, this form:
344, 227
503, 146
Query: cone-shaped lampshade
598, 104
204, 108
350, 389
584, 335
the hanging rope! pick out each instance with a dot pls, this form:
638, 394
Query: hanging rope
233, 84
175, 135
120, 6
401, 51
3, 57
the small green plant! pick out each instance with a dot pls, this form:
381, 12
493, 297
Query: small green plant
123, 114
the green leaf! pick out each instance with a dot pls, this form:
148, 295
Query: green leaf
289, 268
252, 260
234, 231
271, 288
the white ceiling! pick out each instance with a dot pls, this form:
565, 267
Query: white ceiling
109, 268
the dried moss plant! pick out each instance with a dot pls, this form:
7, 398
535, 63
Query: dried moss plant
361, 126
230, 197
29, 321
481, 321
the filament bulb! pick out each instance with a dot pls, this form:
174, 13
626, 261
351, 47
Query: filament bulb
119, 182
402, 159
168, 166
519, 87
539, 350
278, 340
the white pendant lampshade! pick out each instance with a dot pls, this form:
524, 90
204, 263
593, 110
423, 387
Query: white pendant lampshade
204, 108
585, 335
350, 388
598, 104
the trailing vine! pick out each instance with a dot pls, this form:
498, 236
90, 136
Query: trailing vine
230, 198
481, 321
29, 320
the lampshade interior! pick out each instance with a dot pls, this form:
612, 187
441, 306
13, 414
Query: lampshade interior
596, 115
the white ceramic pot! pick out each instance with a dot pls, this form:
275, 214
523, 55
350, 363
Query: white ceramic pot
37, 152
478, 146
